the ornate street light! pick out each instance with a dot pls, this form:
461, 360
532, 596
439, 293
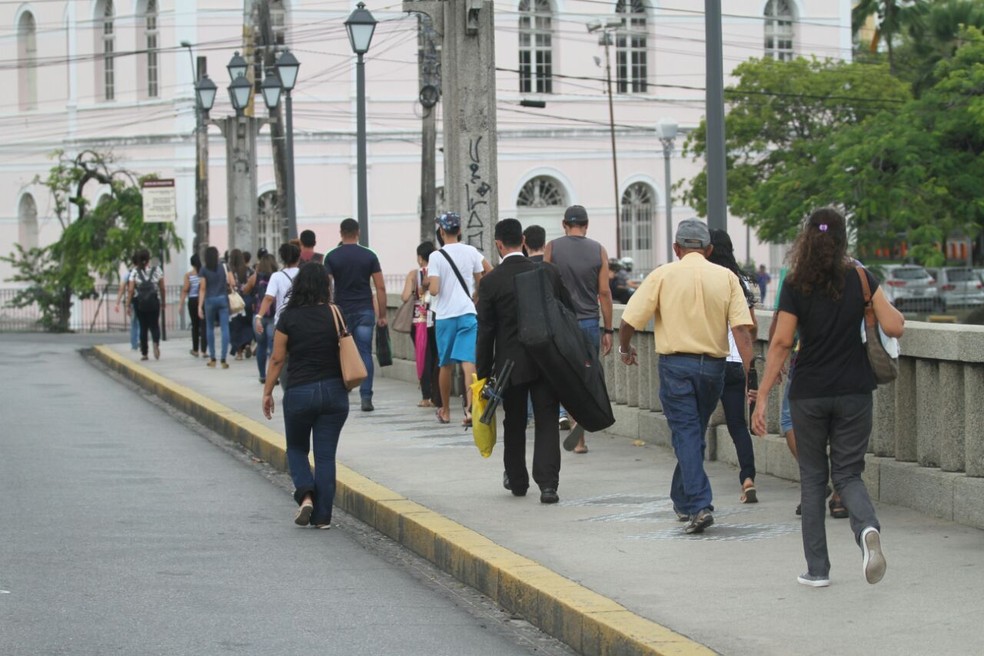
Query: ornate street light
667, 134
205, 91
237, 66
287, 68
271, 89
360, 26
239, 93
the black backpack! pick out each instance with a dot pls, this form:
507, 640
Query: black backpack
262, 282
146, 293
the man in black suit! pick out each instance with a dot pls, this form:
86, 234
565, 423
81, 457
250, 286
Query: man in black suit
498, 340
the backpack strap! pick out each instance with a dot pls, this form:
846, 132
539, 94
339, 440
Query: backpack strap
454, 268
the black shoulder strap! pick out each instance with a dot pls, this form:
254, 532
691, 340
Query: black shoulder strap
454, 268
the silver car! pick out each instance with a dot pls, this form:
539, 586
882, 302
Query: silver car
958, 286
912, 287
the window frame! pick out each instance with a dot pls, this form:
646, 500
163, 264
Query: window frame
27, 65
632, 47
535, 50
107, 36
779, 30
152, 42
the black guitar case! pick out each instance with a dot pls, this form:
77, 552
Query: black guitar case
551, 334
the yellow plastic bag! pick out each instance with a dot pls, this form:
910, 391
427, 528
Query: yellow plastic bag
484, 434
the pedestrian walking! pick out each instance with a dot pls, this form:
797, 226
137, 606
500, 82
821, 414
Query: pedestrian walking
240, 325
122, 294
308, 242
498, 341
213, 304
352, 267
830, 396
583, 266
277, 292
734, 396
315, 402
422, 328
146, 293
691, 302
257, 286
453, 273
190, 289
763, 279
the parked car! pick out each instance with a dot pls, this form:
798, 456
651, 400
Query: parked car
912, 287
958, 286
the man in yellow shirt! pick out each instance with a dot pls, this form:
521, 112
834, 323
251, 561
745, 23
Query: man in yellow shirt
692, 303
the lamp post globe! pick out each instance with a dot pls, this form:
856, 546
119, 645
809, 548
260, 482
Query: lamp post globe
237, 66
287, 67
205, 90
271, 89
360, 26
239, 92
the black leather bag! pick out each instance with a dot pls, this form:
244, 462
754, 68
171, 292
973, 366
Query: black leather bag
384, 352
562, 353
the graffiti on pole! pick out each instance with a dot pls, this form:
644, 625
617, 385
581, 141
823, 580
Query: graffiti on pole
476, 190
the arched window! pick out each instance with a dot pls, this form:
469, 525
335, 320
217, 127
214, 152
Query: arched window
638, 208
151, 39
107, 49
535, 48
27, 222
271, 226
27, 65
779, 33
278, 20
631, 66
541, 202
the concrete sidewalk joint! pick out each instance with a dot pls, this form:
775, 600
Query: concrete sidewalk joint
588, 622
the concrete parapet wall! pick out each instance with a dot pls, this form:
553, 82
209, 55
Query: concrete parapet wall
927, 442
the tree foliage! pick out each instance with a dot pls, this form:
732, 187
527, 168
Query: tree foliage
90, 248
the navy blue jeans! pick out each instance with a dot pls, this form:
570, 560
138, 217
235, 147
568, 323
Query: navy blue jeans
361, 324
217, 313
264, 344
315, 413
689, 389
735, 402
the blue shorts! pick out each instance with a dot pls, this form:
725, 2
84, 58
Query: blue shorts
456, 339
785, 419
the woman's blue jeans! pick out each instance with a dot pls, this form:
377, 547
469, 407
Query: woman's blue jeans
134, 327
217, 312
264, 344
315, 413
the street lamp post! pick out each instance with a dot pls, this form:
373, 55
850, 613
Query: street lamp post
361, 25
287, 67
605, 39
667, 134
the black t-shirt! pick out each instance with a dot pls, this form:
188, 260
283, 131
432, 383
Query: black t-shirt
312, 344
832, 360
352, 267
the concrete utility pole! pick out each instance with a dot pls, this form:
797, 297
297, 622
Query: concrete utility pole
717, 181
468, 80
430, 93
266, 58
240, 135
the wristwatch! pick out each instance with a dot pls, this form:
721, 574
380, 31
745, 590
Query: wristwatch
608, 331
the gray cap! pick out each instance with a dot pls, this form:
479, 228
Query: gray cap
692, 233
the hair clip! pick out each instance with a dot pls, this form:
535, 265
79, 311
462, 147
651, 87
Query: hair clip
823, 227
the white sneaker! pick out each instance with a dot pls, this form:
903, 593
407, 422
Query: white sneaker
874, 564
564, 423
813, 581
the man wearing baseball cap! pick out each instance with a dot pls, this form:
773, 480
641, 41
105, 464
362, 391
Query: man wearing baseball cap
691, 302
453, 274
583, 266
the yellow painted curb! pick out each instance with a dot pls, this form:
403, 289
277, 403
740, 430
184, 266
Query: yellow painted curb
587, 621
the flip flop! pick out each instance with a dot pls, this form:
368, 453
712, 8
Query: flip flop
466, 422
573, 438
749, 495
580, 449
440, 419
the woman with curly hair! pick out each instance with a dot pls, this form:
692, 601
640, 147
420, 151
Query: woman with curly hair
315, 401
830, 396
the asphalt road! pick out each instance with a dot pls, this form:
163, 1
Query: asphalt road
127, 529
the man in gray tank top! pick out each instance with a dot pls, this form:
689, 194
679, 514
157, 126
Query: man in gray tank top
583, 265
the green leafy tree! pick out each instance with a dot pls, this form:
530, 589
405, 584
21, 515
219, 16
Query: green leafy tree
781, 121
892, 18
935, 38
90, 248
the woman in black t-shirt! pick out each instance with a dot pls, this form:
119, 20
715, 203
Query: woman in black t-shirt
315, 400
830, 397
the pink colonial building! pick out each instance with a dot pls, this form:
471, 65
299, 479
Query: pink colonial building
112, 76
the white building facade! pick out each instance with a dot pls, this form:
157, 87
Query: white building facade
110, 76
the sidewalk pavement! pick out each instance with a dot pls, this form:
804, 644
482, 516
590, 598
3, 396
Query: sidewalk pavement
609, 569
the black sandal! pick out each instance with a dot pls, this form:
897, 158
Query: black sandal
837, 509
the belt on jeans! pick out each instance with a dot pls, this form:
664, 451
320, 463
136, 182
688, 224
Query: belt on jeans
695, 356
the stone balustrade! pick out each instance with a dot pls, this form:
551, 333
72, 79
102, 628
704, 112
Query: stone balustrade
927, 443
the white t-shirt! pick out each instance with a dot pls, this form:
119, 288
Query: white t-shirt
452, 301
278, 287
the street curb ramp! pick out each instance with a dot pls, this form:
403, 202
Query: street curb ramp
588, 622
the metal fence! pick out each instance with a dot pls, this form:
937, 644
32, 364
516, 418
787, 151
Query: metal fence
89, 315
